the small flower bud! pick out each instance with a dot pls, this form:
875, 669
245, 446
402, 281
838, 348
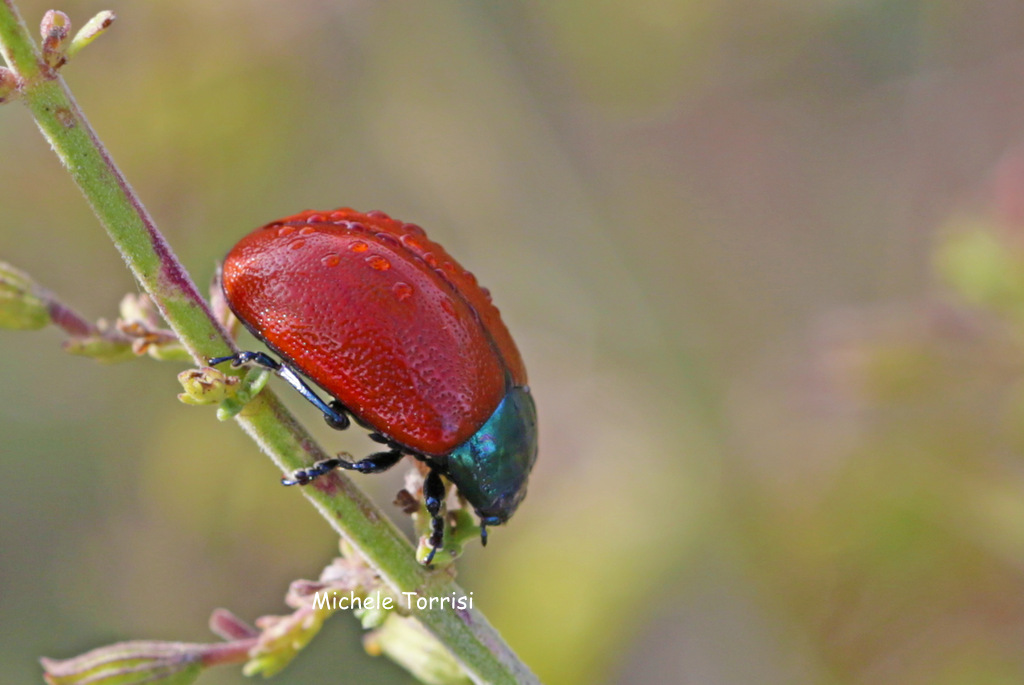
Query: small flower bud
23, 304
8, 85
282, 638
371, 618
407, 642
219, 305
227, 626
55, 28
140, 322
55, 23
92, 30
101, 346
207, 386
157, 663
139, 307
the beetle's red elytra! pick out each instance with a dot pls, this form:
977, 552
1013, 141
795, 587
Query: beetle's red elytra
404, 340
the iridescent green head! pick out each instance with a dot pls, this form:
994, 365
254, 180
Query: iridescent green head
492, 467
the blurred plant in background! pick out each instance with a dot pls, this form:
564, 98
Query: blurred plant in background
897, 546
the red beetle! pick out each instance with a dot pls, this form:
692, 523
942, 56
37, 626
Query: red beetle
405, 342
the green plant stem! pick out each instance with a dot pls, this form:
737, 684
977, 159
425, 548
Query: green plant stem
473, 642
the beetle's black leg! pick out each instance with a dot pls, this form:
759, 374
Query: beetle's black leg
484, 522
334, 413
375, 463
304, 476
433, 496
248, 357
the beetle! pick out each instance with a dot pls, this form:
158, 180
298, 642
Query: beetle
405, 342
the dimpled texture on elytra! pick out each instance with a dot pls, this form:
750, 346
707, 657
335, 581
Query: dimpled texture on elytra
381, 318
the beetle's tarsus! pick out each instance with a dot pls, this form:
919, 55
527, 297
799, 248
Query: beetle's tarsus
307, 475
238, 359
433, 497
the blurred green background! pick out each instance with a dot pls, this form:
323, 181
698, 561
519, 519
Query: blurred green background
764, 259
